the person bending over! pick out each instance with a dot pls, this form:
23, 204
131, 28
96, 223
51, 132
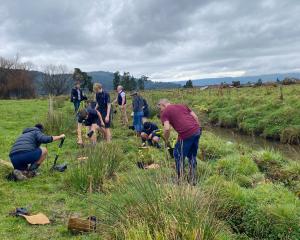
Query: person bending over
92, 119
186, 124
149, 134
27, 154
104, 107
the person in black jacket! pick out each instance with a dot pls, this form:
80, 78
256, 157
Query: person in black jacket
26, 153
149, 134
145, 110
91, 118
77, 96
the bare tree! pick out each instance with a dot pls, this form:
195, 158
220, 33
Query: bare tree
15, 79
56, 79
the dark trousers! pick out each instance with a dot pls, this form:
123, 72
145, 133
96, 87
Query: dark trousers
76, 104
186, 148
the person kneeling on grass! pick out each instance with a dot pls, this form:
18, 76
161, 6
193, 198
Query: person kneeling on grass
149, 134
91, 118
26, 155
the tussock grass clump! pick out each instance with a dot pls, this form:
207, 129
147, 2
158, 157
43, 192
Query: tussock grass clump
102, 164
59, 122
266, 212
236, 165
277, 169
291, 135
59, 102
275, 215
269, 161
213, 148
145, 209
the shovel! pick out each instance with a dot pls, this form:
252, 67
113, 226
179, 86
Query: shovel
61, 167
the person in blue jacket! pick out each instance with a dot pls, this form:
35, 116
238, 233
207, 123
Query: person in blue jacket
26, 153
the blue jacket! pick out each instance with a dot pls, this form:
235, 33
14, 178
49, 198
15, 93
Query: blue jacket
30, 139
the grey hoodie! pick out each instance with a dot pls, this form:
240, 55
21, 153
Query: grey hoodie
30, 139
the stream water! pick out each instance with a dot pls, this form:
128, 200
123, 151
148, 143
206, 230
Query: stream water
258, 143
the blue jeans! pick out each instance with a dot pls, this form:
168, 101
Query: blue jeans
186, 148
138, 121
76, 104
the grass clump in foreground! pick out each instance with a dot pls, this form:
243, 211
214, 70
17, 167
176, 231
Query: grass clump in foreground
149, 208
265, 212
102, 163
278, 169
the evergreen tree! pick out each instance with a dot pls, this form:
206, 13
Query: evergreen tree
141, 84
117, 79
132, 84
188, 84
84, 79
125, 81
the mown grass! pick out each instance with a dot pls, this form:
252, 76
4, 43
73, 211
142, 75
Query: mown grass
236, 196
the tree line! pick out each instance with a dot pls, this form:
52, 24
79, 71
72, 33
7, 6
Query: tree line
129, 82
18, 80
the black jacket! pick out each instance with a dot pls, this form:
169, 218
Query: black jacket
30, 139
74, 95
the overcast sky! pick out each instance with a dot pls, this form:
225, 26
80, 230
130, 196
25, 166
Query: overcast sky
163, 39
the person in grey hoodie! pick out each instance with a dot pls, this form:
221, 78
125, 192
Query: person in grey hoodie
26, 153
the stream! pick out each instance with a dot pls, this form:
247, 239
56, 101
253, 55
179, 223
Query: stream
257, 143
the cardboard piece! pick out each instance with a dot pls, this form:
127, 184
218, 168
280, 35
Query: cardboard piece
152, 166
37, 219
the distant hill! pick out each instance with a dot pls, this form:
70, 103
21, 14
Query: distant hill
105, 78
243, 80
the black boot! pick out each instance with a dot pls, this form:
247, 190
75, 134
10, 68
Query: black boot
34, 166
150, 142
157, 145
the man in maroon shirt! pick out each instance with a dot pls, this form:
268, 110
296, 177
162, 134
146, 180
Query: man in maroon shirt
186, 124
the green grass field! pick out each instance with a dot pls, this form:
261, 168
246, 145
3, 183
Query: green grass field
253, 111
240, 193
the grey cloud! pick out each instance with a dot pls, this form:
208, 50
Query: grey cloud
166, 39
